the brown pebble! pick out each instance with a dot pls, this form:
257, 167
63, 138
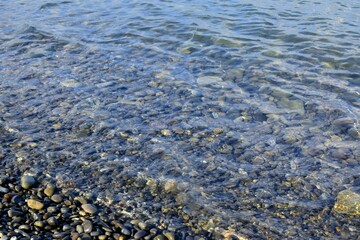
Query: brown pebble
35, 204
49, 190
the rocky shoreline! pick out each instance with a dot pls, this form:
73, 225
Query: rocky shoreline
30, 209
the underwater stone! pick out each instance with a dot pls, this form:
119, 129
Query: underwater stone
348, 202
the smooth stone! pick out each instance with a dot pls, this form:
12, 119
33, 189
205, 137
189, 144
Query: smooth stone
87, 226
142, 225
74, 235
89, 208
66, 227
125, 231
39, 224
343, 122
70, 83
27, 182
140, 234
24, 227
169, 235
170, 186
348, 202
159, 237
86, 236
14, 213
59, 235
49, 190
52, 221
95, 234
16, 199
79, 229
56, 198
35, 204
3, 190
205, 80
102, 237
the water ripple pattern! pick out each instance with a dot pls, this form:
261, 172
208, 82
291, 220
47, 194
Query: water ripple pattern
238, 117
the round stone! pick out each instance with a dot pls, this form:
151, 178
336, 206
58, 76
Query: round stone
348, 202
140, 234
39, 224
27, 182
87, 226
142, 225
89, 208
52, 221
56, 198
49, 190
35, 204
79, 229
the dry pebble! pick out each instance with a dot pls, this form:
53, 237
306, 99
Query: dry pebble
63, 219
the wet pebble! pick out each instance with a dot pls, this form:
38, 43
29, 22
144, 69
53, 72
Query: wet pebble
169, 235
49, 190
140, 234
348, 202
3, 190
52, 221
27, 182
35, 204
87, 226
89, 208
56, 198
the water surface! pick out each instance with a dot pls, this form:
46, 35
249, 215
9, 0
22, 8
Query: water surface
224, 116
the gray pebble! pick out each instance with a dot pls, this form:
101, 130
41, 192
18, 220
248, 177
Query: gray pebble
66, 227
24, 227
13, 213
56, 198
159, 237
95, 234
52, 209
89, 208
125, 231
87, 226
27, 182
59, 235
140, 234
3, 190
86, 236
52, 221
79, 229
142, 225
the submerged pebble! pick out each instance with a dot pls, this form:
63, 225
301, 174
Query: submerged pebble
348, 202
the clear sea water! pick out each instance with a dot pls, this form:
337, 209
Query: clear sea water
236, 117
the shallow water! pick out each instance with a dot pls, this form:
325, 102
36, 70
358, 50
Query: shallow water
217, 116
